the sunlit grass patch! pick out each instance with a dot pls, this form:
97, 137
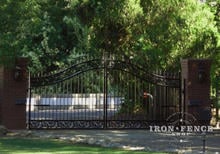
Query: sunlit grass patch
10, 145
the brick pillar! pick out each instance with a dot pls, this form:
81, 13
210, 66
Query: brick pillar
196, 74
13, 93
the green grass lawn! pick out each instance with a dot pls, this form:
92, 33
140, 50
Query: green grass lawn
10, 145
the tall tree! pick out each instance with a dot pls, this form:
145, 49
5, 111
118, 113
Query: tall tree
52, 35
155, 34
10, 13
215, 8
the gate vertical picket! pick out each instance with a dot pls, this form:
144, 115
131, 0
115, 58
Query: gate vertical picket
102, 93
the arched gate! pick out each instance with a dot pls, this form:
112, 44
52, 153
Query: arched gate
102, 93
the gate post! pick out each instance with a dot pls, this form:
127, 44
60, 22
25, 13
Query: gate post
13, 94
196, 83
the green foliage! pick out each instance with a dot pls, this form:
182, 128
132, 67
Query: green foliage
9, 17
54, 36
215, 7
156, 34
175, 30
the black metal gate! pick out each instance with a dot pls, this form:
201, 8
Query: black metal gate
102, 93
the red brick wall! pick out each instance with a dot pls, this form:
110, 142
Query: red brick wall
13, 95
197, 93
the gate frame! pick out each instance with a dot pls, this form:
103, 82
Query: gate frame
153, 78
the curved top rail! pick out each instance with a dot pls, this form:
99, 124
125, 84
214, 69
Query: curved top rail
97, 64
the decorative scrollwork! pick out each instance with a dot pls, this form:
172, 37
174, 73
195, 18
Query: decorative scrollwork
34, 124
128, 124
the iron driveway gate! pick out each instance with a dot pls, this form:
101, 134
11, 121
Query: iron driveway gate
102, 93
